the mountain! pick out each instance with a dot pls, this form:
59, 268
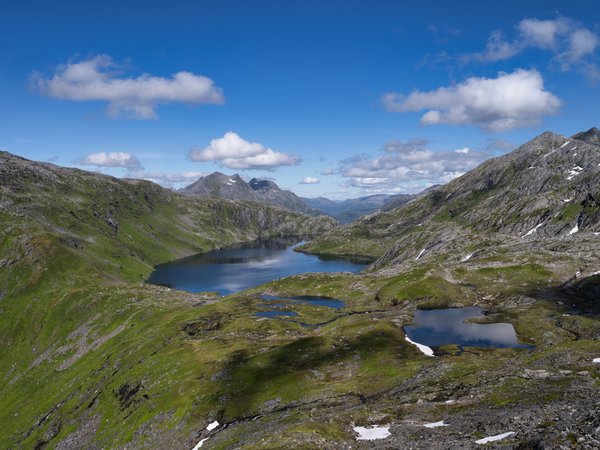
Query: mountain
548, 187
591, 136
348, 210
93, 357
235, 188
82, 336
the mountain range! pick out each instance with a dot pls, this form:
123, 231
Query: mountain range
235, 188
547, 187
93, 357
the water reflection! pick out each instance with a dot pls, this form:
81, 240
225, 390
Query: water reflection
233, 270
446, 326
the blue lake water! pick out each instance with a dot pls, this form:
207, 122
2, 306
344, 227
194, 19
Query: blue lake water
446, 326
232, 270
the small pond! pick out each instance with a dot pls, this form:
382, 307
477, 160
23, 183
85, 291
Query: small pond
438, 327
232, 270
280, 306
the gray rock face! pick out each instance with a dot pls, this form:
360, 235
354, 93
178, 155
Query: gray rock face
547, 188
235, 188
591, 136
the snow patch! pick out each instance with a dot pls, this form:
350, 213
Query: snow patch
449, 402
233, 181
567, 200
533, 230
229, 184
435, 424
576, 170
424, 349
373, 433
574, 230
596, 360
566, 143
199, 444
494, 438
419, 255
466, 258
212, 426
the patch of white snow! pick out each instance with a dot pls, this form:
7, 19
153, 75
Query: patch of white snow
596, 360
233, 181
373, 433
435, 424
494, 438
212, 426
566, 143
533, 230
567, 200
448, 402
466, 258
199, 444
576, 170
424, 349
419, 255
574, 230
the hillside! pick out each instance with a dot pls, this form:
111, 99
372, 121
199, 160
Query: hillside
74, 247
94, 358
235, 188
545, 188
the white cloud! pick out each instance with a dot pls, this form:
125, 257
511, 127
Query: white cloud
97, 79
409, 166
310, 180
544, 33
511, 100
169, 178
582, 43
570, 42
496, 49
112, 159
236, 153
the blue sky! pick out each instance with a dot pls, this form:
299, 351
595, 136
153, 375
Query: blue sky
363, 97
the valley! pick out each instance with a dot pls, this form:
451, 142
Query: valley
94, 357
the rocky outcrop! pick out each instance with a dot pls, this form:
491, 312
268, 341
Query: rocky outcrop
546, 188
235, 188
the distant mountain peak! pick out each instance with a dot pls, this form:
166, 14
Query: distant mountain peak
591, 136
233, 187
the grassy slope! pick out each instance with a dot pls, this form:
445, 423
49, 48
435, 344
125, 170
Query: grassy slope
76, 328
95, 359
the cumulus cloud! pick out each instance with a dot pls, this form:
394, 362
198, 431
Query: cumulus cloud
112, 159
236, 153
511, 100
409, 166
135, 97
569, 41
544, 33
310, 180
